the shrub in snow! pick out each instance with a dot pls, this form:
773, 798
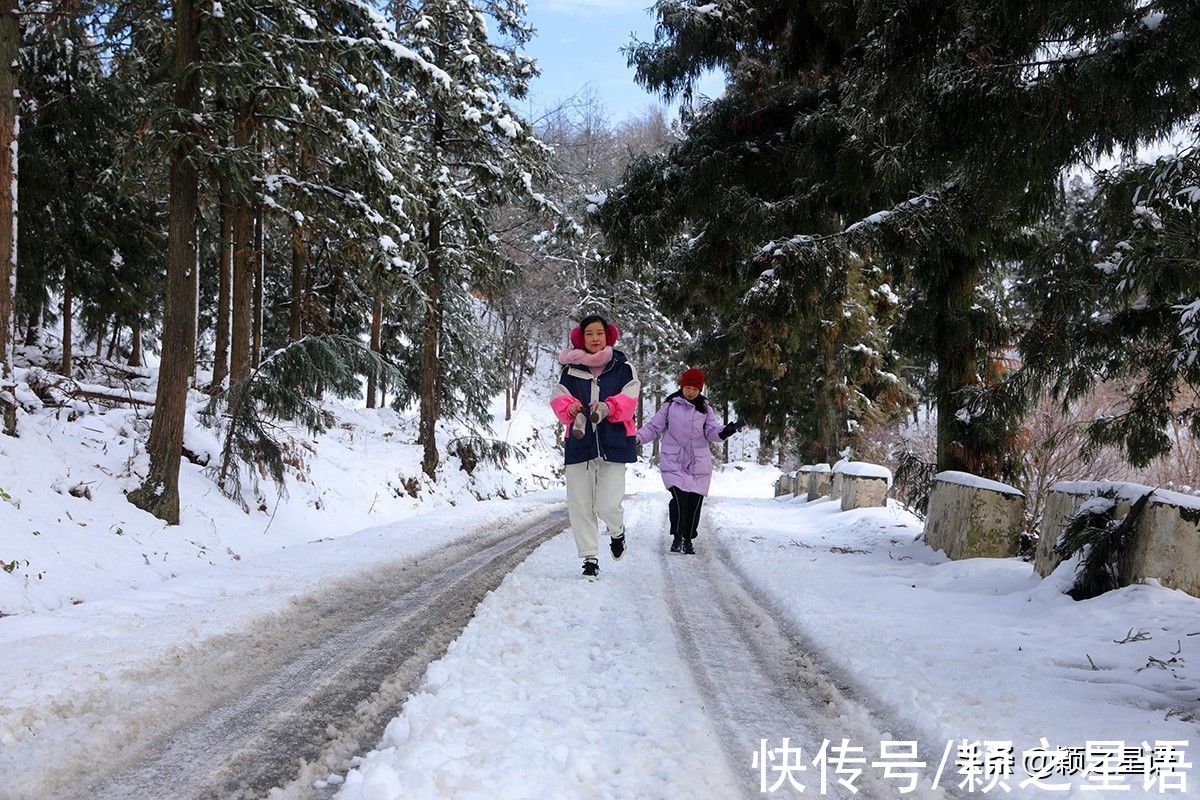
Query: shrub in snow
1104, 542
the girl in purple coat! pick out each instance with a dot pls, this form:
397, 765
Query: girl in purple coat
687, 425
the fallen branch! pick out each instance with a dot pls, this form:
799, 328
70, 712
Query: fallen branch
46, 388
1140, 636
109, 396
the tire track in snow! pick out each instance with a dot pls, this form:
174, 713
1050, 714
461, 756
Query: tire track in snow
759, 681
342, 668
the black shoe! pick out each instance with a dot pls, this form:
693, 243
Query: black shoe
688, 550
591, 569
617, 545
677, 544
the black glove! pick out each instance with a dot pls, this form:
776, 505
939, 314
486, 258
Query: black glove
731, 429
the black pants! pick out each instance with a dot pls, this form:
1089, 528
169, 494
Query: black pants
685, 513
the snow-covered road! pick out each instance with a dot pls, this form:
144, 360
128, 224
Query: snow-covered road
309, 684
659, 680
347, 664
760, 681
795, 621
799, 622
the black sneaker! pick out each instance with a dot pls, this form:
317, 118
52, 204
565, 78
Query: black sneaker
688, 550
677, 544
591, 569
617, 545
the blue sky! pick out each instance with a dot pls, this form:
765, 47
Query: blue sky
579, 43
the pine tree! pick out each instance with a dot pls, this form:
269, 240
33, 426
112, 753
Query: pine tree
946, 92
332, 79
159, 492
1116, 296
926, 107
774, 155
477, 157
83, 233
290, 383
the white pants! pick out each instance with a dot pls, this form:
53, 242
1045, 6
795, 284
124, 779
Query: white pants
595, 488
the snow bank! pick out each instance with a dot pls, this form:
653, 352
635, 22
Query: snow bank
978, 649
1125, 491
68, 535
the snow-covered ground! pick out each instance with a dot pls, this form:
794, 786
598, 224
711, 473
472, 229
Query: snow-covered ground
108, 673
558, 687
68, 535
569, 689
981, 649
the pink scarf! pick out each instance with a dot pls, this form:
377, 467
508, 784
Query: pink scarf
595, 362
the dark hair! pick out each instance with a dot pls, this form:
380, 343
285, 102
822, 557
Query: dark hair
589, 319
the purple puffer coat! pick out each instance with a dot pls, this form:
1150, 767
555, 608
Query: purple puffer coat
686, 460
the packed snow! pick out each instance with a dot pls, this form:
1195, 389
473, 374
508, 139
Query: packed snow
560, 687
974, 481
861, 469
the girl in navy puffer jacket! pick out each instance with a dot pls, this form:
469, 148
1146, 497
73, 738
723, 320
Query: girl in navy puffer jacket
596, 397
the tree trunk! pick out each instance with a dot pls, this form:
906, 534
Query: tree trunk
519, 384
299, 257
950, 301
432, 329
641, 409
33, 334
830, 399
299, 282
224, 279
135, 344
68, 332
259, 277
243, 267
430, 362
113, 341
159, 493
334, 293
10, 40
197, 246
725, 444
376, 338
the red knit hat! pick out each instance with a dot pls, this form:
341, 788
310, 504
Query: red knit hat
692, 377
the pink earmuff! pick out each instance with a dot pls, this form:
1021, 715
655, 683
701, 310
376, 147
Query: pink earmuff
577, 336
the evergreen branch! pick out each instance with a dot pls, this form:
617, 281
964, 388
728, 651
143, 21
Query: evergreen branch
289, 384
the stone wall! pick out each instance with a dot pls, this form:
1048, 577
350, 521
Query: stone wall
819, 481
970, 517
1062, 501
1167, 546
860, 491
